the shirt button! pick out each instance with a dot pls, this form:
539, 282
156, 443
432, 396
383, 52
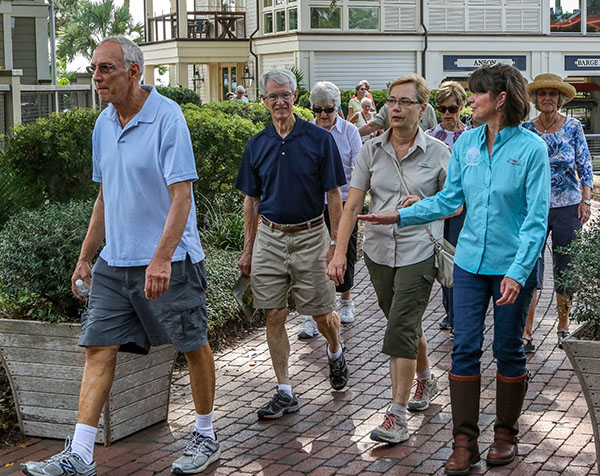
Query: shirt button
283, 142
283, 153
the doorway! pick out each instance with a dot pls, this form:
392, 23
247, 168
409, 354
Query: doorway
228, 80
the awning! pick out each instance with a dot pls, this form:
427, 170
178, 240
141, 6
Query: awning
581, 104
585, 87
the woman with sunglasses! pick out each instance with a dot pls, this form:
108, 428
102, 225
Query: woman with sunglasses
450, 100
354, 103
325, 100
502, 172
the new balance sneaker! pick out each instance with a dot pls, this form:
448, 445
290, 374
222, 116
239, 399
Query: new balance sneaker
425, 391
338, 371
200, 452
392, 430
64, 463
308, 329
346, 312
280, 404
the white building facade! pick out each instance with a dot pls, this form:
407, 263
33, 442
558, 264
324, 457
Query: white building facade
379, 40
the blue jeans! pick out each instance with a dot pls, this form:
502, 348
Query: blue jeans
472, 293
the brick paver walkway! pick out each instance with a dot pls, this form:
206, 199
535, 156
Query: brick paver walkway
330, 434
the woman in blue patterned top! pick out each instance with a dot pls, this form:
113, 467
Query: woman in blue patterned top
570, 204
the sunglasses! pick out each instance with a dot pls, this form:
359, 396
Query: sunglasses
327, 110
450, 109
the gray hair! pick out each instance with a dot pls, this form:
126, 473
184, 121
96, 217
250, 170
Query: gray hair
562, 99
240, 89
280, 76
132, 53
323, 93
366, 100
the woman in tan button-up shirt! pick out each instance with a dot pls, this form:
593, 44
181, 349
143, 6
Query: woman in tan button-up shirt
399, 168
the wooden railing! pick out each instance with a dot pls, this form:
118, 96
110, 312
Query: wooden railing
199, 26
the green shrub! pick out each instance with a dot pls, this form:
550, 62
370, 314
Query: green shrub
180, 95
52, 157
583, 275
13, 196
38, 253
222, 221
219, 141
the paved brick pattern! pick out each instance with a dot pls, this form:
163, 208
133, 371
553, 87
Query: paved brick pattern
330, 433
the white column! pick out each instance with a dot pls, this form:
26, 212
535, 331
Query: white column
181, 75
182, 24
149, 74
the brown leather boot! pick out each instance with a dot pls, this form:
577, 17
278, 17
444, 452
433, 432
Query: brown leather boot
510, 394
464, 398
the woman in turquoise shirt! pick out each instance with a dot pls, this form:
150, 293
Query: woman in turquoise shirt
501, 172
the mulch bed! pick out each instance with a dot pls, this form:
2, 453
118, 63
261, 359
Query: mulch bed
9, 428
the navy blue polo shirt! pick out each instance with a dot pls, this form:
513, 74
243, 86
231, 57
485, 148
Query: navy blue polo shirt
291, 175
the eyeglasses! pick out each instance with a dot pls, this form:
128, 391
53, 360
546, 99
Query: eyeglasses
104, 68
275, 97
326, 110
401, 102
451, 109
362, 89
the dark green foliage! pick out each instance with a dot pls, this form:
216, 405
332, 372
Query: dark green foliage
221, 221
180, 95
38, 252
219, 141
583, 276
52, 157
13, 196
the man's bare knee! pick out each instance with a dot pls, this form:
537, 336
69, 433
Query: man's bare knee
276, 318
199, 354
99, 354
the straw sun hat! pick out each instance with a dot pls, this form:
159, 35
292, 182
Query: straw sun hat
550, 81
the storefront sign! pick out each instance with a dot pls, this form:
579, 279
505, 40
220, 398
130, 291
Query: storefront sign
472, 62
582, 63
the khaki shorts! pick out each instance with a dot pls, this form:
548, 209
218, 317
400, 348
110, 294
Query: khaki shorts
297, 260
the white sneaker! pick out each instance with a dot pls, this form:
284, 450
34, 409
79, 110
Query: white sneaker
308, 329
346, 312
392, 430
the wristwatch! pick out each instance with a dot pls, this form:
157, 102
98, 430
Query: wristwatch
332, 243
587, 202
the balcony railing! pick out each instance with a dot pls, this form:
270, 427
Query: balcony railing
200, 26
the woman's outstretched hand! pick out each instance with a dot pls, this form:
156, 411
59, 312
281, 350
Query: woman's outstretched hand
383, 218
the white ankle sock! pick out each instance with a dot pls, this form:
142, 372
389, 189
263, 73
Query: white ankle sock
345, 301
399, 410
336, 355
204, 425
426, 374
285, 388
83, 442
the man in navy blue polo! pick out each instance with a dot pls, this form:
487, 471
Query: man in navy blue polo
287, 170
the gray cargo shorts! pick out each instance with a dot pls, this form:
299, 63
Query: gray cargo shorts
119, 313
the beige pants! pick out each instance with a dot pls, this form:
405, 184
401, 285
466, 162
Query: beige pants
281, 261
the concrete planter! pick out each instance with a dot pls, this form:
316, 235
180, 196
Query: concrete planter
585, 359
45, 366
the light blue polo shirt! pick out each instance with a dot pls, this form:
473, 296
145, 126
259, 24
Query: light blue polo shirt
136, 164
507, 197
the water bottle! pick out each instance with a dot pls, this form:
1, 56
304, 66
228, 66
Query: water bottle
83, 289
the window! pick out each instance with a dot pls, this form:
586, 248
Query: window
293, 19
593, 16
268, 24
565, 16
279, 2
323, 17
267, 3
363, 18
280, 20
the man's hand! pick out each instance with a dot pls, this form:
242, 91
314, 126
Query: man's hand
409, 200
245, 264
158, 275
83, 271
336, 269
510, 289
330, 253
384, 218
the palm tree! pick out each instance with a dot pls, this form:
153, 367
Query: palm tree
88, 23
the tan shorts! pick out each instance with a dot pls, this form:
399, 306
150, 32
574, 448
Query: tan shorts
297, 260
